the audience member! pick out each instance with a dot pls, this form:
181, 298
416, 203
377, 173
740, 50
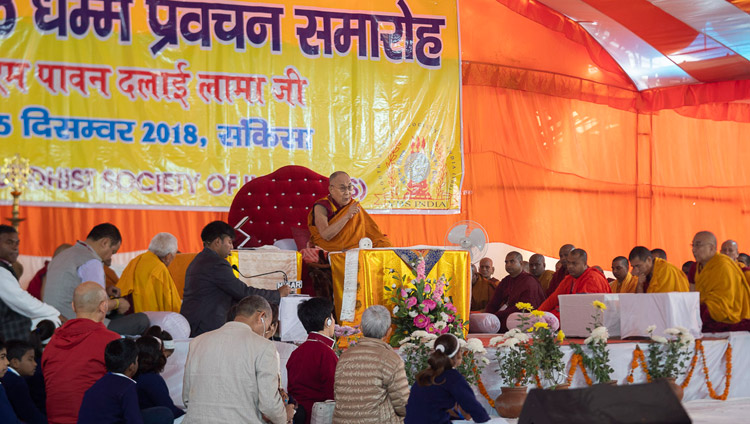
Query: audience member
74, 358
517, 286
312, 366
724, 291
151, 387
17, 307
370, 384
539, 270
580, 279
560, 272
167, 343
483, 287
113, 398
659, 253
36, 285
744, 259
655, 275
440, 387
232, 374
20, 354
210, 281
85, 262
147, 279
38, 339
7, 415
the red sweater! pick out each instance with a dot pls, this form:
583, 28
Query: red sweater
591, 281
310, 371
72, 362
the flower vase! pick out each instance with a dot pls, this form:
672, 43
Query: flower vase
564, 386
676, 388
510, 402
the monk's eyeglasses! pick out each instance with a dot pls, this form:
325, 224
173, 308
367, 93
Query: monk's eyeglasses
345, 188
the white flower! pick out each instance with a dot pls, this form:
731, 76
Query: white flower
659, 339
404, 340
682, 329
650, 329
672, 331
444, 316
476, 346
395, 310
600, 333
513, 332
687, 339
522, 337
497, 340
510, 342
485, 360
393, 286
430, 344
405, 347
440, 325
412, 314
420, 334
461, 343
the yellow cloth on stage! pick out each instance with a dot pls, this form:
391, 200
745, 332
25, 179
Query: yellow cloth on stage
628, 285
150, 283
360, 226
666, 277
723, 289
178, 268
545, 279
373, 274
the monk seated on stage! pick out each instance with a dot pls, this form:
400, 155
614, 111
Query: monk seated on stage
562, 272
724, 291
148, 280
580, 279
483, 286
731, 249
337, 222
539, 270
624, 282
517, 286
655, 275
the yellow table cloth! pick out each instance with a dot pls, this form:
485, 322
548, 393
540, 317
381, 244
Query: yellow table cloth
374, 273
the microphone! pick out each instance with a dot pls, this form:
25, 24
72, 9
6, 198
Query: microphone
286, 280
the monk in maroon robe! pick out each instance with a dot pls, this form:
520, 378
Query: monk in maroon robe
561, 273
517, 286
581, 279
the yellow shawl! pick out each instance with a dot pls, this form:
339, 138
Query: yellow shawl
666, 277
151, 284
628, 285
723, 289
360, 226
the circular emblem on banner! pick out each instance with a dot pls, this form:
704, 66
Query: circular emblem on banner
360, 189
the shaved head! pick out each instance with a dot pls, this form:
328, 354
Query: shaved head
336, 175
704, 246
486, 268
580, 253
87, 297
536, 265
730, 249
659, 253
744, 258
577, 262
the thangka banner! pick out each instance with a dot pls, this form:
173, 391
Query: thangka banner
177, 103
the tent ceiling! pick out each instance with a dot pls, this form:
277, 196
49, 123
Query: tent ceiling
662, 43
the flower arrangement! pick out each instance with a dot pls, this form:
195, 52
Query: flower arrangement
416, 349
524, 357
668, 356
422, 305
346, 337
597, 360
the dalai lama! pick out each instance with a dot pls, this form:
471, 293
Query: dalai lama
337, 222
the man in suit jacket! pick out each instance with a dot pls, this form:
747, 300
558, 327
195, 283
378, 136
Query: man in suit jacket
210, 285
232, 374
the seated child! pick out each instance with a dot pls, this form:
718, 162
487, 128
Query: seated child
114, 399
22, 365
151, 387
6, 410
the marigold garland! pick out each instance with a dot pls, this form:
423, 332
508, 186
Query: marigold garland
638, 356
575, 362
483, 391
727, 359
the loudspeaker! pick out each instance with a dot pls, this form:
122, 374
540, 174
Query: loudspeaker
601, 403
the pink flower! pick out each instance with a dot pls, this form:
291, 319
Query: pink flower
451, 318
404, 294
410, 302
427, 288
431, 329
444, 330
421, 321
429, 304
420, 270
450, 307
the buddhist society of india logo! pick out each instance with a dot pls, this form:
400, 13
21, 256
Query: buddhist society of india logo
415, 169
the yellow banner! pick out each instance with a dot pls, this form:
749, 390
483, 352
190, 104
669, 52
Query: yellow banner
178, 103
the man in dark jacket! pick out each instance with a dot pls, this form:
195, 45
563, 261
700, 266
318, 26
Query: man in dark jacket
210, 285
